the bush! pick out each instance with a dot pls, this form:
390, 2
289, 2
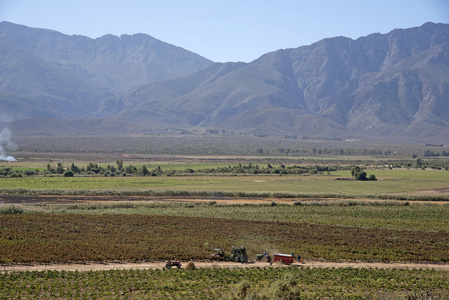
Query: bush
243, 291
11, 210
68, 173
190, 266
359, 174
421, 296
286, 288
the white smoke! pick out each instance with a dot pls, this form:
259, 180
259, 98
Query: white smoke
6, 144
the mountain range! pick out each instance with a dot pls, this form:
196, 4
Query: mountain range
392, 86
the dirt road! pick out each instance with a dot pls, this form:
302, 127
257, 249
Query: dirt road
205, 264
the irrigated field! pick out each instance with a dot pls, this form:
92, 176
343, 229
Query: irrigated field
185, 211
390, 182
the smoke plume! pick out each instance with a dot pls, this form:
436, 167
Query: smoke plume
6, 144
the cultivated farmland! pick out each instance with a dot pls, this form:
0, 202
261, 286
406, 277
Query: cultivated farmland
184, 208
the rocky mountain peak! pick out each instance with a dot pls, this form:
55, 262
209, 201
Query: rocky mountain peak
388, 86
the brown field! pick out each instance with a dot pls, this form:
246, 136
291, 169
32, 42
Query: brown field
46, 238
66, 199
69, 199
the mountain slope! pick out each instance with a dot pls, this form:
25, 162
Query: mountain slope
378, 86
31, 87
384, 86
118, 64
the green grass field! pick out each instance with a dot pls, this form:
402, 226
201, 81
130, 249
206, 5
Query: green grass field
389, 182
86, 183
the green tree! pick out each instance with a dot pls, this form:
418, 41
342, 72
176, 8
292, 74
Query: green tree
418, 163
119, 164
355, 170
361, 175
74, 168
60, 168
144, 170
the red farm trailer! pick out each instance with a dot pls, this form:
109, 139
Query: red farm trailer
285, 259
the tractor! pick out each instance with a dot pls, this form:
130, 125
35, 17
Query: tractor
218, 255
170, 264
263, 257
239, 255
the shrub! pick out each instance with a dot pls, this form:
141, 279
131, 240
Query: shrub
359, 174
11, 210
284, 289
190, 266
68, 173
242, 291
421, 296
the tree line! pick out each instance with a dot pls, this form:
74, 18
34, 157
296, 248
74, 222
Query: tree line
119, 169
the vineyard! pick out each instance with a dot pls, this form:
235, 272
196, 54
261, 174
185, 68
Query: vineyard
53, 238
187, 209
402, 215
254, 283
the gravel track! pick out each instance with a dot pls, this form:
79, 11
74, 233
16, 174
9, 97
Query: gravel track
207, 264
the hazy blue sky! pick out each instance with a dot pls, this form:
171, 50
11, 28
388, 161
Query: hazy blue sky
226, 30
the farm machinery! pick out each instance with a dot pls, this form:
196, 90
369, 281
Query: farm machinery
263, 257
285, 259
218, 255
170, 264
238, 254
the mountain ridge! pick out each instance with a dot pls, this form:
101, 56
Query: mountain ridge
382, 86
371, 86
116, 63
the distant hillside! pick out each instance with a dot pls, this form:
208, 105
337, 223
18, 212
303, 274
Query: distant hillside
116, 63
391, 86
32, 87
